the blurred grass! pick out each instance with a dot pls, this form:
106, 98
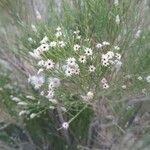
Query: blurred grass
95, 19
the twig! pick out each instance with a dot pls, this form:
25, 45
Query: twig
5, 126
61, 119
77, 114
123, 131
138, 99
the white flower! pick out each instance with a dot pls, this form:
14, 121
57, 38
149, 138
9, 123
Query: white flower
39, 49
34, 28
128, 76
30, 39
65, 125
71, 61
33, 115
105, 43
116, 3
103, 81
105, 58
90, 95
54, 101
55, 82
88, 51
30, 97
87, 40
22, 103
42, 48
76, 71
82, 59
58, 34
124, 86
76, 47
118, 65
37, 81
58, 29
40, 70
51, 107
139, 78
116, 47
35, 54
68, 72
22, 112
112, 62
78, 37
99, 45
105, 64
42, 93
53, 44
41, 63
110, 54
91, 68
49, 64
75, 66
61, 44
105, 86
117, 20
118, 56
16, 99
85, 98
72, 69
51, 86
50, 94
76, 32
44, 40
148, 79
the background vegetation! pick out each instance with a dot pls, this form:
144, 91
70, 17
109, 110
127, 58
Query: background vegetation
120, 119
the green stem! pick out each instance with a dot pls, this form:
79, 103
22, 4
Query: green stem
77, 114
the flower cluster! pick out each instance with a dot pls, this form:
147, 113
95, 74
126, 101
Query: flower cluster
89, 96
72, 71
104, 83
45, 45
52, 85
42, 48
82, 58
68, 64
37, 81
71, 67
110, 58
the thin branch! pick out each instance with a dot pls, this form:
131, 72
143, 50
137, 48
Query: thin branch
138, 99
